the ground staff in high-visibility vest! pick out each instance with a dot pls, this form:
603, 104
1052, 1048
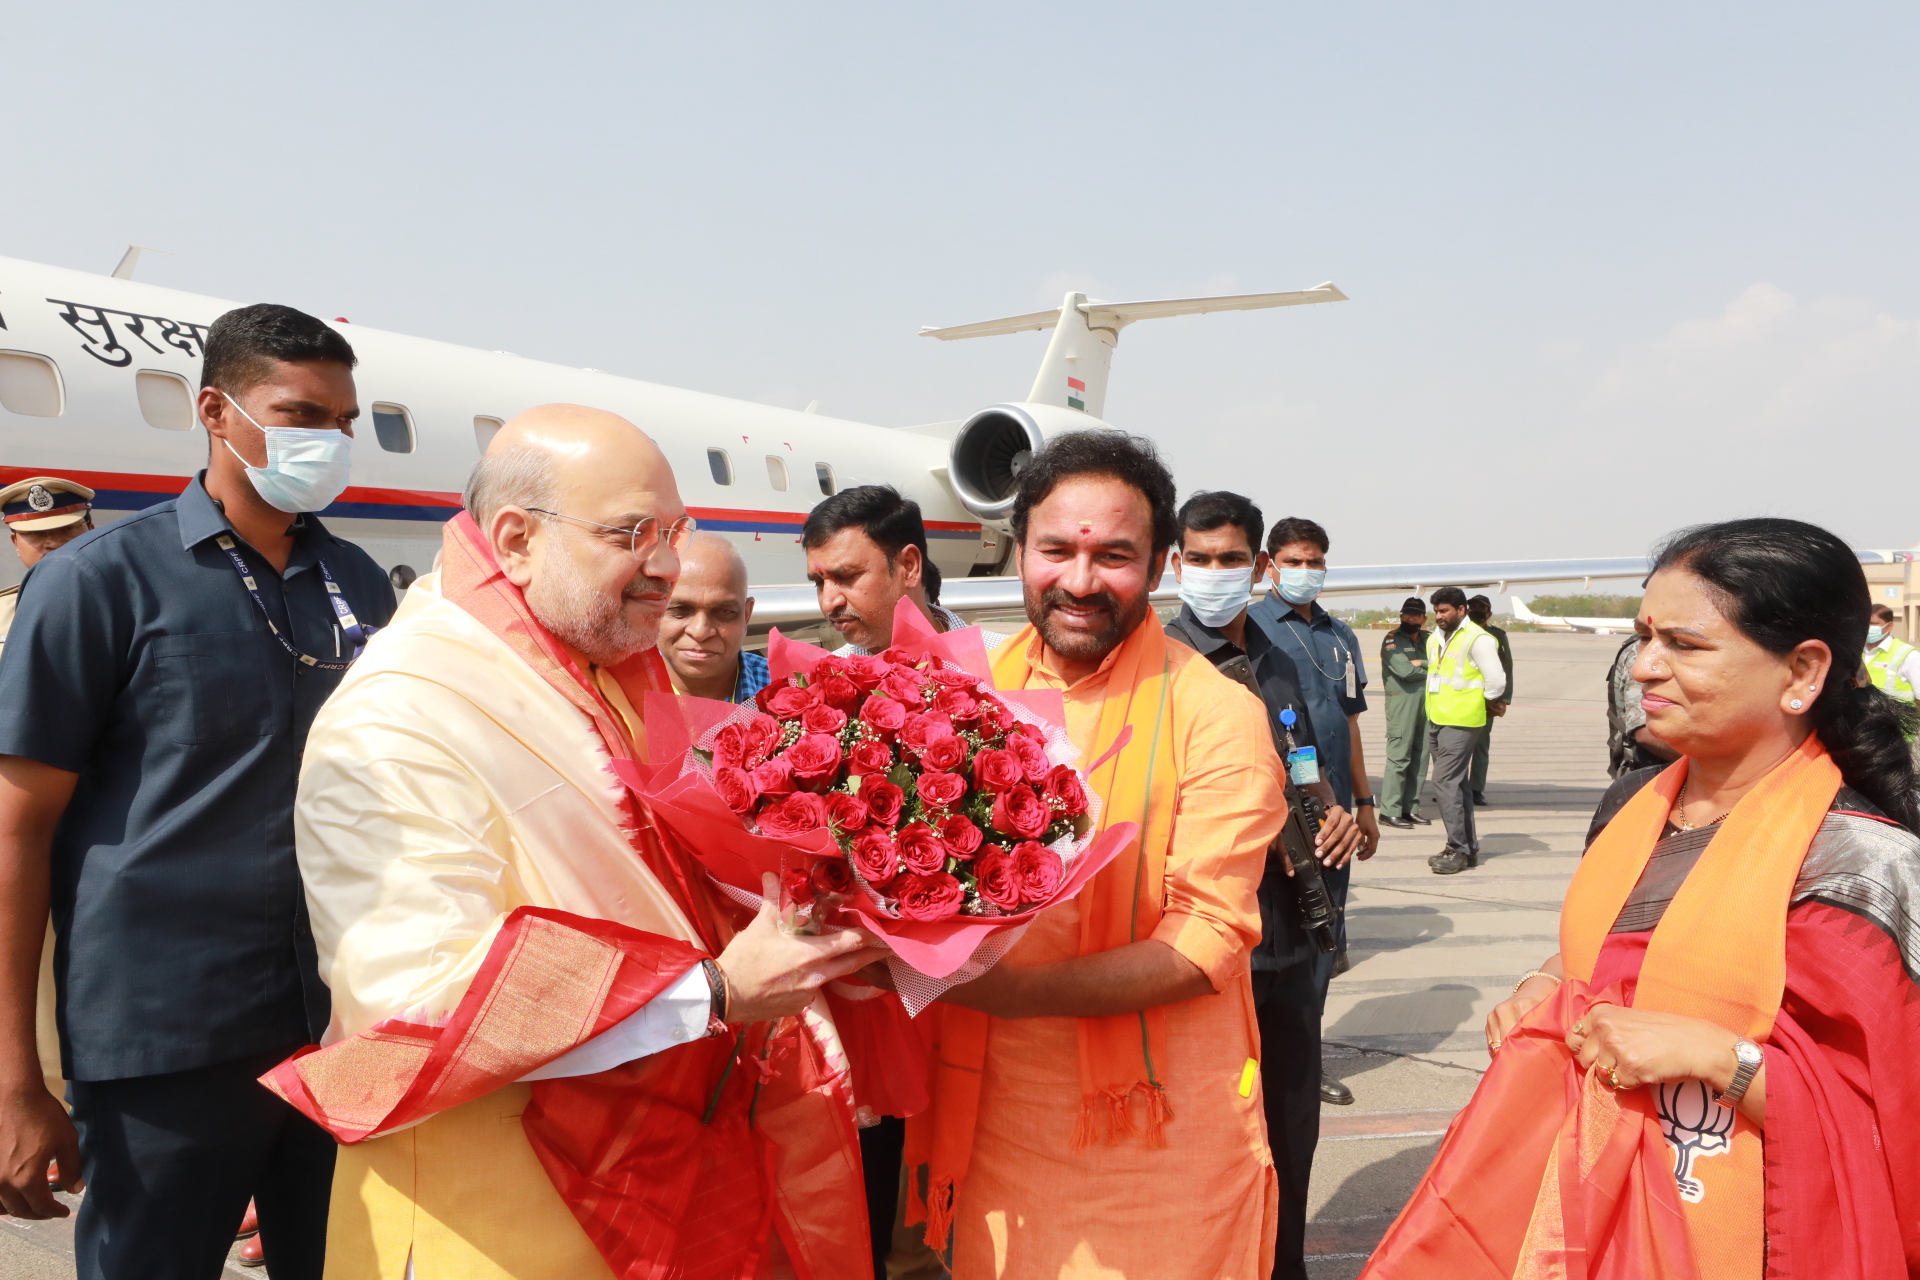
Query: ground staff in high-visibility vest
1893, 665
1463, 675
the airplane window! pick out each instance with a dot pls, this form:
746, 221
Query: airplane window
483, 430
401, 576
824, 474
30, 385
777, 473
721, 468
393, 427
166, 401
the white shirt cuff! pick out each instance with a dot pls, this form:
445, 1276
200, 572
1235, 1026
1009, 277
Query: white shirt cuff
673, 1017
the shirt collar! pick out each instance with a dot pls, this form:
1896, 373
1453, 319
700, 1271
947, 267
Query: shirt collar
201, 518
1214, 638
1040, 660
1283, 610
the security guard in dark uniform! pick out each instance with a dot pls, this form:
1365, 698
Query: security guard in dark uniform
1480, 611
1403, 660
43, 513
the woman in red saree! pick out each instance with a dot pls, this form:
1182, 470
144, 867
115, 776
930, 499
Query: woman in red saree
1719, 1073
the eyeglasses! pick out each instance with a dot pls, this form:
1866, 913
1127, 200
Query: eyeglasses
642, 537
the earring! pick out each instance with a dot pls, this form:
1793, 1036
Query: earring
1796, 704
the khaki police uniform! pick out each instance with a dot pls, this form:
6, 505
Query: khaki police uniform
34, 505
1403, 660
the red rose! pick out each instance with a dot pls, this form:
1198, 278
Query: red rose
953, 678
959, 704
866, 672
796, 887
903, 685
944, 753
793, 815
1020, 812
995, 877
774, 778
827, 668
1066, 792
1038, 869
883, 715
849, 813
871, 756
763, 739
823, 719
1032, 754
875, 857
840, 692
765, 696
934, 897
940, 790
919, 730
996, 771
883, 800
831, 875
992, 720
735, 787
815, 761
960, 836
895, 656
920, 848
791, 702
730, 746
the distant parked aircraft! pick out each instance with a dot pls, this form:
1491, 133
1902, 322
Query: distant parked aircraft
1597, 626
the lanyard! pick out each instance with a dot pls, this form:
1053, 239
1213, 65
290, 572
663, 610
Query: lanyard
350, 626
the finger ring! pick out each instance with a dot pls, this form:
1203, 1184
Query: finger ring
1580, 1028
1494, 1047
1613, 1076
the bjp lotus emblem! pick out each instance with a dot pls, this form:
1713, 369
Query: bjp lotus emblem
1695, 1126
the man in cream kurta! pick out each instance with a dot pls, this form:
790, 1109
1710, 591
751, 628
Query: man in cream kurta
453, 779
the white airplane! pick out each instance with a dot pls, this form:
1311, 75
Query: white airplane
97, 380
1597, 626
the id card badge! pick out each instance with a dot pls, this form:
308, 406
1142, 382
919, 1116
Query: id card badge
1353, 679
1303, 765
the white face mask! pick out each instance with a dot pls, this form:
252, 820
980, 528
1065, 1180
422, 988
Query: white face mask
307, 467
1216, 596
1876, 633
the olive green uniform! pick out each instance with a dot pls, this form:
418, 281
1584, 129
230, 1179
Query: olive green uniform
1403, 658
1479, 773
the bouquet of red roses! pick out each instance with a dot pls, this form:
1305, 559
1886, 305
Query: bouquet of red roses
901, 788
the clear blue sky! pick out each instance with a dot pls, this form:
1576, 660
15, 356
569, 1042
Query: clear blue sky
1613, 268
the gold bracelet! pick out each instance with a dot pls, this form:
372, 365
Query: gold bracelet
1537, 973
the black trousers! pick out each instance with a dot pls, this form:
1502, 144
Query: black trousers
1287, 1008
881, 1147
171, 1160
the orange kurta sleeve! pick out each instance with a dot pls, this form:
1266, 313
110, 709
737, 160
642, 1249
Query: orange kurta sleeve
1230, 809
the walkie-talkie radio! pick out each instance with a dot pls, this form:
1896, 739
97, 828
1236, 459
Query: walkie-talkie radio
1318, 914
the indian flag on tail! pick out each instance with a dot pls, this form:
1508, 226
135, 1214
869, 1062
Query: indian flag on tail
1076, 394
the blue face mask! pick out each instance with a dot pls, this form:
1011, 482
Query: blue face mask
1300, 586
306, 469
1875, 634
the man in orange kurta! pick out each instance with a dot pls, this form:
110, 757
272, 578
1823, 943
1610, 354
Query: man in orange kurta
1096, 1103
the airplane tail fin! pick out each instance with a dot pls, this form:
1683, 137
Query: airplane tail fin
1073, 374
1523, 614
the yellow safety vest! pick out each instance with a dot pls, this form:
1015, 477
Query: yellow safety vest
1883, 668
1456, 688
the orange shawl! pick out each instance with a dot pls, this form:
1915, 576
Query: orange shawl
1122, 1057
1607, 1203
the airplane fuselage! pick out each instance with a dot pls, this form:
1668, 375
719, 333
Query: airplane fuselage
105, 370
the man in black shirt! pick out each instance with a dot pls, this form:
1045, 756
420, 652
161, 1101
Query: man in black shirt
1216, 564
155, 696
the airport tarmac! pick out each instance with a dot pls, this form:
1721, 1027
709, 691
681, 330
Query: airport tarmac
1433, 954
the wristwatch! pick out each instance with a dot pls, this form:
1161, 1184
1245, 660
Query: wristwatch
1366, 802
1747, 1061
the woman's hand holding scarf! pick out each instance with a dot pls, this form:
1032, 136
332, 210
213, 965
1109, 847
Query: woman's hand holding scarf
1634, 1047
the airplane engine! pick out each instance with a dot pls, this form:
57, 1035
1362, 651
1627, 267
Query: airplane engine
991, 449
